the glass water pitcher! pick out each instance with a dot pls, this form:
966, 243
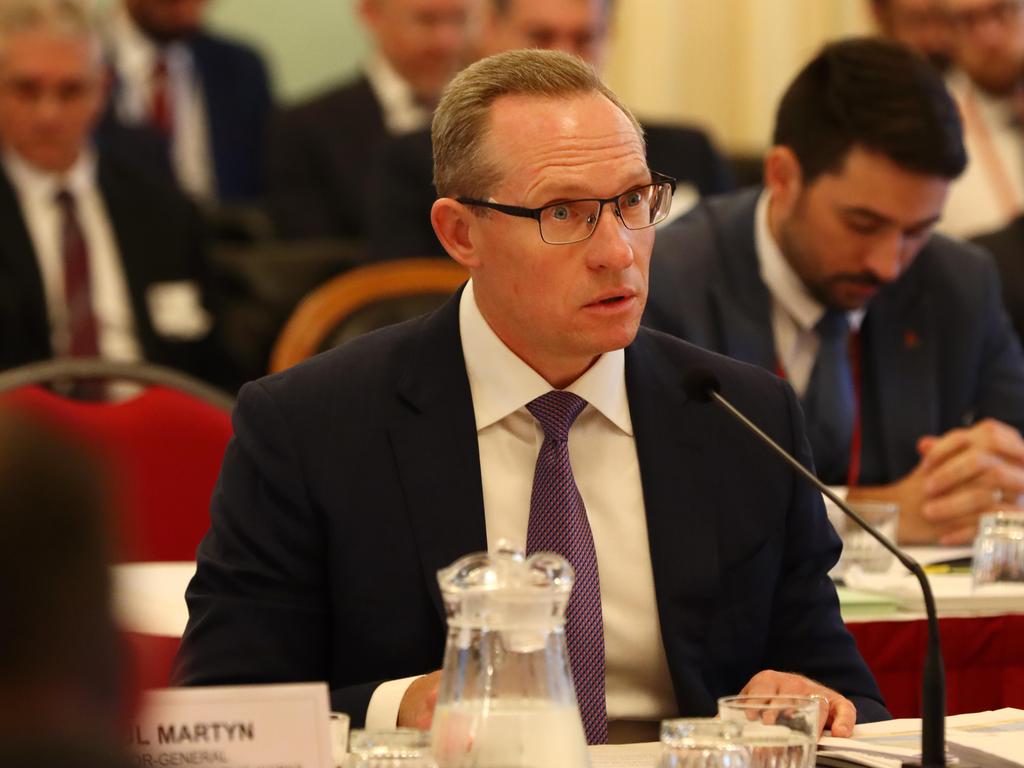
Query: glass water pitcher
506, 698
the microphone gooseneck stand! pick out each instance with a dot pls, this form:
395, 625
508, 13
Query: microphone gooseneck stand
703, 386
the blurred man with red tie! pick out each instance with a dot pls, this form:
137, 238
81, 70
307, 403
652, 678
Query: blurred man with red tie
95, 259
207, 96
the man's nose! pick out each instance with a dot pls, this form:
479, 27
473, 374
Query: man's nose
611, 246
888, 257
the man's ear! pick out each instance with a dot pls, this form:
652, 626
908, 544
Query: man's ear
456, 227
783, 177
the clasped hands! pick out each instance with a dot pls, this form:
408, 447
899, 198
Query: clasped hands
961, 475
837, 712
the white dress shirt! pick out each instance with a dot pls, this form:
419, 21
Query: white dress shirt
37, 196
990, 192
402, 112
135, 57
602, 451
795, 311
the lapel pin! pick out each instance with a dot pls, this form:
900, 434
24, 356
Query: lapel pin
911, 340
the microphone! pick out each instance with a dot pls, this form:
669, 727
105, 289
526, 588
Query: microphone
703, 386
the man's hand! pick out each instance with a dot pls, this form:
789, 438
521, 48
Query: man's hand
967, 472
417, 707
962, 474
837, 712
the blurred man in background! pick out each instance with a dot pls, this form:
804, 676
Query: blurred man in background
896, 339
922, 25
96, 259
208, 98
988, 49
403, 190
321, 151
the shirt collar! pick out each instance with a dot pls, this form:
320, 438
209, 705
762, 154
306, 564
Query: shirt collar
402, 112
501, 383
784, 284
40, 185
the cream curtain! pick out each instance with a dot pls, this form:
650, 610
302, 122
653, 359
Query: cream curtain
721, 64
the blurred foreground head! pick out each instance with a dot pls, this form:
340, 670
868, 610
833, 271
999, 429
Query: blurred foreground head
59, 659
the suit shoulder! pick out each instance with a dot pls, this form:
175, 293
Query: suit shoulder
224, 49
676, 358
954, 266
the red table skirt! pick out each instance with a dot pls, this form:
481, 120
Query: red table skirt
984, 659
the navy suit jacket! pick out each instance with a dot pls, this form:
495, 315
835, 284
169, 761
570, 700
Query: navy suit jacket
352, 478
937, 348
401, 189
160, 239
1007, 246
320, 161
236, 94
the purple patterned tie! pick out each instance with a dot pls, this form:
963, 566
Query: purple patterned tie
558, 523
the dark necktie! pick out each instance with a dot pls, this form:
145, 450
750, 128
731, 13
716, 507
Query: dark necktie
829, 402
558, 523
161, 115
83, 338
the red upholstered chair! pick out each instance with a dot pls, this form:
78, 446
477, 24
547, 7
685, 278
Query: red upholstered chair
162, 449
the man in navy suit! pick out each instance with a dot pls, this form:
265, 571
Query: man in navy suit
208, 97
926, 393
354, 477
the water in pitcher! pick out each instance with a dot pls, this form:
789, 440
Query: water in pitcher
514, 733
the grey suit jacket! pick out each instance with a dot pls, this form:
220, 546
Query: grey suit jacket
938, 349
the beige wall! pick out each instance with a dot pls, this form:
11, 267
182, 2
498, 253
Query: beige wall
721, 63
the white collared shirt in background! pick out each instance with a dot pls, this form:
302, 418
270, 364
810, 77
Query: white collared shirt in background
990, 192
602, 452
135, 57
37, 196
795, 311
402, 113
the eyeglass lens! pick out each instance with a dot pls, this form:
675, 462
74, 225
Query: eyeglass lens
576, 220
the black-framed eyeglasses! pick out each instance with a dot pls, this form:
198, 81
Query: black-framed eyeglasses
573, 221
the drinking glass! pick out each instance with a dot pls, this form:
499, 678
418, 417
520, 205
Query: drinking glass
702, 742
398, 748
780, 731
999, 549
860, 548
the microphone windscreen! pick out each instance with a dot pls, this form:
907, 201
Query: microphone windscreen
699, 383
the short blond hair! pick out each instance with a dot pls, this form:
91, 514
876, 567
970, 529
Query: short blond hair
459, 130
71, 19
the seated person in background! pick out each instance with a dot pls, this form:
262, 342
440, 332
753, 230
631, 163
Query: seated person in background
207, 97
355, 476
95, 258
403, 188
1007, 246
896, 339
919, 24
61, 683
321, 151
988, 86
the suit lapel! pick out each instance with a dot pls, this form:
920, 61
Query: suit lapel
22, 298
679, 499
899, 330
739, 297
132, 241
435, 446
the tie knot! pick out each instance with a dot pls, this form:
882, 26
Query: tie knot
833, 324
64, 198
556, 411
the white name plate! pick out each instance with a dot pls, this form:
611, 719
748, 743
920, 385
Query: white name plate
244, 726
